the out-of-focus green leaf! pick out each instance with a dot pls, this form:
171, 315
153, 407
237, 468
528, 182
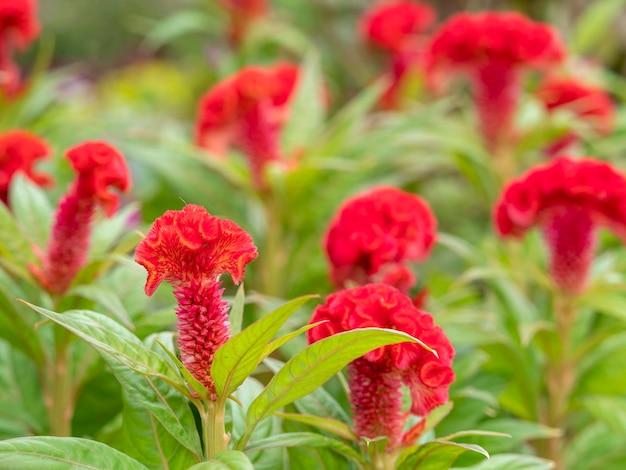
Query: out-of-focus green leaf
611, 303
513, 462
312, 367
106, 299
435, 455
62, 453
237, 359
228, 460
609, 409
176, 25
593, 23
15, 251
296, 439
338, 428
32, 210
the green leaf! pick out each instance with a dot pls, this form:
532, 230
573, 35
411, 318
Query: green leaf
514, 462
334, 426
593, 23
610, 303
32, 210
307, 107
240, 356
62, 453
313, 366
228, 460
107, 299
435, 455
308, 439
15, 251
236, 311
277, 343
609, 409
178, 24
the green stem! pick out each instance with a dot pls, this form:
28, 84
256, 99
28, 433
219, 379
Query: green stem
273, 255
60, 386
213, 429
383, 460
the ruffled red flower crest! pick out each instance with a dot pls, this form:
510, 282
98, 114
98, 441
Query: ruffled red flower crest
389, 24
191, 244
591, 103
374, 233
19, 151
568, 199
18, 22
99, 167
383, 306
470, 40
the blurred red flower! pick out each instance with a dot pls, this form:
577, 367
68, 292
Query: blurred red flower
592, 104
494, 49
242, 14
191, 249
98, 166
247, 111
19, 151
568, 199
376, 378
396, 27
375, 233
18, 28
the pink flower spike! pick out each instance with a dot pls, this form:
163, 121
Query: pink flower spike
494, 49
19, 151
376, 379
568, 199
374, 234
191, 249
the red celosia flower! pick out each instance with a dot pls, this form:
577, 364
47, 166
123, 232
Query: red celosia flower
395, 26
375, 233
191, 249
18, 28
98, 166
247, 111
19, 150
590, 103
376, 378
568, 199
242, 14
494, 48
389, 24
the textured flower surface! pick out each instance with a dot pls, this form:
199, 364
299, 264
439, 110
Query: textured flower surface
568, 199
190, 249
19, 151
374, 234
376, 378
494, 48
18, 28
98, 166
247, 111
390, 24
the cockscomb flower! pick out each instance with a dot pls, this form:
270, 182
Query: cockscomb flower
19, 151
18, 28
191, 249
242, 14
568, 200
494, 49
98, 167
376, 379
396, 27
375, 234
590, 103
247, 111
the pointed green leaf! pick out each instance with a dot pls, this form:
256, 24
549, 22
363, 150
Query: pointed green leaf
277, 343
32, 210
62, 453
312, 367
334, 426
594, 21
236, 311
514, 462
308, 439
435, 455
228, 460
15, 251
239, 357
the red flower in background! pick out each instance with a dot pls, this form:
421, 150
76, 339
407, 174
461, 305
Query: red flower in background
568, 199
191, 249
19, 151
375, 233
242, 14
99, 166
18, 28
375, 379
247, 111
494, 49
592, 104
396, 27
